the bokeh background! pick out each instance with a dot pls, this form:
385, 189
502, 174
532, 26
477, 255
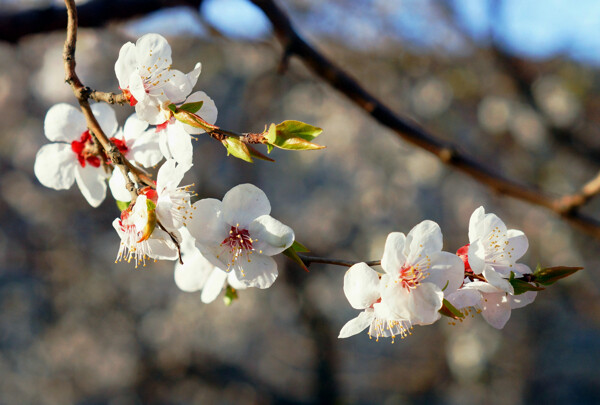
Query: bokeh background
514, 83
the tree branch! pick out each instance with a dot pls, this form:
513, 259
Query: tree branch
407, 129
94, 13
338, 262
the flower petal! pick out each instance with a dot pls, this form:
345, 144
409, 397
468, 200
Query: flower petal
208, 112
178, 87
148, 109
64, 123
517, 244
134, 127
117, 185
476, 256
206, 223
361, 286
496, 280
55, 166
151, 50
145, 150
495, 309
91, 183
393, 257
106, 117
125, 64
214, 285
161, 246
179, 143
169, 175
425, 238
243, 204
476, 224
192, 274
446, 271
271, 236
464, 298
425, 303
357, 325
521, 300
258, 271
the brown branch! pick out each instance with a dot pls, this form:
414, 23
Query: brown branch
338, 262
94, 13
82, 93
407, 129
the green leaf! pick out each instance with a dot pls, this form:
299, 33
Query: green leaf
172, 107
270, 148
230, 295
193, 120
450, 311
550, 275
257, 154
192, 107
291, 253
237, 148
298, 129
299, 247
521, 286
123, 205
293, 135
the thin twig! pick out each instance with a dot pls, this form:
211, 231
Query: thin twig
83, 93
338, 262
407, 129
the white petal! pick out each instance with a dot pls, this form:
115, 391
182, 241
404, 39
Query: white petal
177, 87
492, 223
106, 117
134, 127
192, 274
117, 186
214, 285
446, 271
272, 236
152, 49
482, 286
476, 224
145, 149
64, 123
194, 74
464, 298
476, 256
395, 297
55, 166
496, 280
517, 244
361, 286
519, 269
180, 144
206, 223
161, 246
126, 64
425, 303
148, 109
357, 325
233, 281
243, 204
259, 271
425, 238
393, 257
495, 309
208, 112
138, 91
91, 183
169, 176
521, 300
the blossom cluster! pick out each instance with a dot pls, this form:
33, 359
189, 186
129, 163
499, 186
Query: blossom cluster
231, 243
419, 279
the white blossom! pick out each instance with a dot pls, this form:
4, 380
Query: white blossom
239, 234
74, 157
145, 76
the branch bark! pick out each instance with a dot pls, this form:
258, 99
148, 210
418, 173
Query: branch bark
408, 130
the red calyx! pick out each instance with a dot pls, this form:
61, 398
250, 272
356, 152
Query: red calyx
84, 149
463, 253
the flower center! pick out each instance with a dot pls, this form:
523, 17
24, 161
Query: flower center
239, 243
85, 150
411, 276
